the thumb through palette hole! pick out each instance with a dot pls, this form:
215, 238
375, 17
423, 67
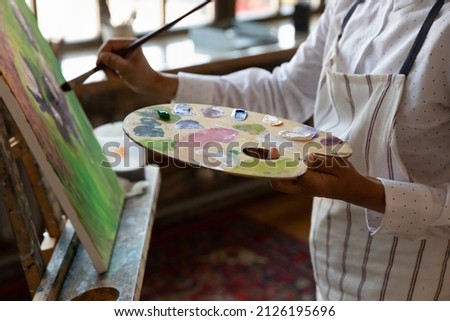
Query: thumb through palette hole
262, 153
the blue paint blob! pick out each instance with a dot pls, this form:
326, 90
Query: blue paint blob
148, 131
239, 114
150, 122
188, 124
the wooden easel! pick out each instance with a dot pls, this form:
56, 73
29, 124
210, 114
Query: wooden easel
57, 267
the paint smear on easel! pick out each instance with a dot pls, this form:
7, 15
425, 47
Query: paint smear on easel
212, 112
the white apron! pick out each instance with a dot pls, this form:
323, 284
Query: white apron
350, 263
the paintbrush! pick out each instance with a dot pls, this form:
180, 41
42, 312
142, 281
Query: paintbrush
67, 86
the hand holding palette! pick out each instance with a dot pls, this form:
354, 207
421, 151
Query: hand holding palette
232, 140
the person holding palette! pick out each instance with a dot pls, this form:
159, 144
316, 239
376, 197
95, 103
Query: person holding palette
377, 75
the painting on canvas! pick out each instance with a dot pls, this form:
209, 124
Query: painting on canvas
58, 132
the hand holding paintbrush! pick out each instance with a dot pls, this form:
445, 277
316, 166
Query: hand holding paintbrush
125, 51
135, 70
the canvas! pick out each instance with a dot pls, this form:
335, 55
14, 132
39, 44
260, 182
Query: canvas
58, 133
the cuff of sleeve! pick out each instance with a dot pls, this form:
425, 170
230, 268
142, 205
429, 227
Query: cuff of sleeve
194, 88
408, 211
373, 220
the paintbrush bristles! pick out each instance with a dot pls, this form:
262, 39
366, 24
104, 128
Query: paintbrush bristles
67, 86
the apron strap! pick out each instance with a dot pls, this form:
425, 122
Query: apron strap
406, 68
348, 16
420, 39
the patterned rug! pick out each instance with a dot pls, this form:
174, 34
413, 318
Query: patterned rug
226, 256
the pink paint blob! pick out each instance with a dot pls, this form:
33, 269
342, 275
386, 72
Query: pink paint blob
221, 135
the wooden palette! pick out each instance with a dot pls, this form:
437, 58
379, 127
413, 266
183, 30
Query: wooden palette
231, 140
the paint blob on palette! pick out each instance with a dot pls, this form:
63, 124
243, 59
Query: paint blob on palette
231, 139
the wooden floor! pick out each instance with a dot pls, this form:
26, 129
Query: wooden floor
192, 192
290, 213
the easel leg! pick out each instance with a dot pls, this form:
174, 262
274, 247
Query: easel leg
18, 209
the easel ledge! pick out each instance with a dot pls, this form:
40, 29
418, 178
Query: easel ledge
70, 274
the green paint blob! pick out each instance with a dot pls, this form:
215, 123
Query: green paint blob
159, 112
163, 114
254, 129
162, 146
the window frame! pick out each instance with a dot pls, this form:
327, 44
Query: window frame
224, 11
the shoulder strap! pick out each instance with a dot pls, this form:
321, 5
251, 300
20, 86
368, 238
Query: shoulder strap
348, 16
406, 68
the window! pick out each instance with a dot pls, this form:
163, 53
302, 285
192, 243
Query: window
78, 21
248, 9
82, 21
74, 21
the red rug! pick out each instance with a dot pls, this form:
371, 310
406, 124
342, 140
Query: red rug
226, 257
